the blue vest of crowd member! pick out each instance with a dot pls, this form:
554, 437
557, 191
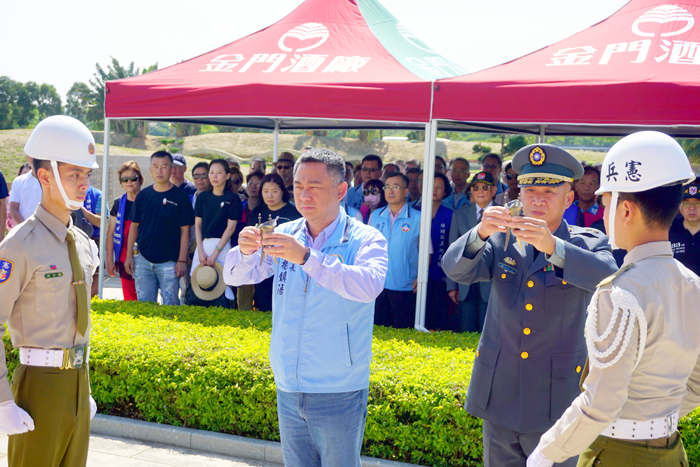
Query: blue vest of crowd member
450, 202
93, 199
321, 342
354, 196
571, 214
119, 228
402, 243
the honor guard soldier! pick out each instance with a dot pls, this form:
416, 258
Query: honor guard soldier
642, 326
543, 272
46, 269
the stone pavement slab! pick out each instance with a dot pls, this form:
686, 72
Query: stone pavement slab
109, 451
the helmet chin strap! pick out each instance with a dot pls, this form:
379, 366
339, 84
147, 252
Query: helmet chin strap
70, 204
611, 220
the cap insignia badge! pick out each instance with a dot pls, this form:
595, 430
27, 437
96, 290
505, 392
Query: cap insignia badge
693, 190
91, 149
537, 156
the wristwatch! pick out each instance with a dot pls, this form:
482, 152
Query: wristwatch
306, 257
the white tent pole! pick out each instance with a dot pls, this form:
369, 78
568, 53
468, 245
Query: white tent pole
103, 215
426, 219
276, 141
541, 137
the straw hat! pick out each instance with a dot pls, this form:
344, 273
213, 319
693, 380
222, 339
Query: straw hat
208, 282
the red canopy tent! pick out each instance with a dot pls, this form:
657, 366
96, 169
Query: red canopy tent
640, 68
328, 64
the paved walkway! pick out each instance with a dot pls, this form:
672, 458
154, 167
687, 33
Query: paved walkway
106, 451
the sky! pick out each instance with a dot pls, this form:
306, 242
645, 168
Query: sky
59, 43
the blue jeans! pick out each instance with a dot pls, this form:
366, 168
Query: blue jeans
149, 276
322, 430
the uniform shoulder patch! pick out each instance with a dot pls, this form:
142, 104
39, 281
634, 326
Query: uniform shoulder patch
586, 231
5, 270
611, 277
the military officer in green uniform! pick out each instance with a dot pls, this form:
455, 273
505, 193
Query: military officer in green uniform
46, 266
642, 326
543, 272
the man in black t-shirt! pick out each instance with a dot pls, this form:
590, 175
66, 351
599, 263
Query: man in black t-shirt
160, 226
177, 177
683, 235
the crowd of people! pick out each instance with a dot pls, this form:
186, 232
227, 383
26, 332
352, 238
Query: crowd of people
580, 354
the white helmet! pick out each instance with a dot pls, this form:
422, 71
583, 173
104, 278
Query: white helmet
62, 139
639, 162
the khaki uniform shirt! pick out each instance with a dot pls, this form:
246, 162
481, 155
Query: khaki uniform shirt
667, 377
38, 300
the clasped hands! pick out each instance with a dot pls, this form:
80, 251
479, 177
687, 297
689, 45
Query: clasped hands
277, 244
528, 229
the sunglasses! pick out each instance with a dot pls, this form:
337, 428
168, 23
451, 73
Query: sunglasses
200, 176
489, 166
130, 179
236, 180
285, 166
370, 169
372, 191
459, 171
510, 176
480, 188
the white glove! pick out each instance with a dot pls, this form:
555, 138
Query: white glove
93, 408
14, 420
537, 459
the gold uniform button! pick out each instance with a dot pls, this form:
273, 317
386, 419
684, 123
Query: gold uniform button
526, 331
530, 284
524, 355
528, 307
563, 282
477, 355
578, 369
503, 276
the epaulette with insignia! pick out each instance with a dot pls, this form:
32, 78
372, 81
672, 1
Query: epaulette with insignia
611, 277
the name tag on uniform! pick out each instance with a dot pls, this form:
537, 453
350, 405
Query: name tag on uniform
53, 275
507, 268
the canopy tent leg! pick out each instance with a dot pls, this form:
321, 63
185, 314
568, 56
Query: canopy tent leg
541, 138
276, 141
426, 220
103, 215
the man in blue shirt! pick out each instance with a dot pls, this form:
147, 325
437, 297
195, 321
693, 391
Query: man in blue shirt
329, 269
371, 170
400, 225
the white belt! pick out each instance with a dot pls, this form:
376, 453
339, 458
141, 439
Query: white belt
61, 358
651, 429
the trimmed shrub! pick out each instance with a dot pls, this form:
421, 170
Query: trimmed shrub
208, 368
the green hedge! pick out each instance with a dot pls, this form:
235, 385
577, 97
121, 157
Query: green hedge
208, 368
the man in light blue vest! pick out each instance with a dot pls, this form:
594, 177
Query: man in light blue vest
400, 224
329, 268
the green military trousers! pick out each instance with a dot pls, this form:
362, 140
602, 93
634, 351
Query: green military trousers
59, 402
610, 452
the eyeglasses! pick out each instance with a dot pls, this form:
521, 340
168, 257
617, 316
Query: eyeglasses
370, 169
200, 176
690, 205
393, 187
372, 191
489, 166
510, 176
480, 188
236, 180
130, 179
459, 171
285, 166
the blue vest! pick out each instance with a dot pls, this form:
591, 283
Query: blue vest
355, 197
321, 342
120, 223
402, 241
450, 203
93, 198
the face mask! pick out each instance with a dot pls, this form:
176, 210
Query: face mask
373, 201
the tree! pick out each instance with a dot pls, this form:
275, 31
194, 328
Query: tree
692, 149
24, 104
78, 101
514, 143
96, 110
